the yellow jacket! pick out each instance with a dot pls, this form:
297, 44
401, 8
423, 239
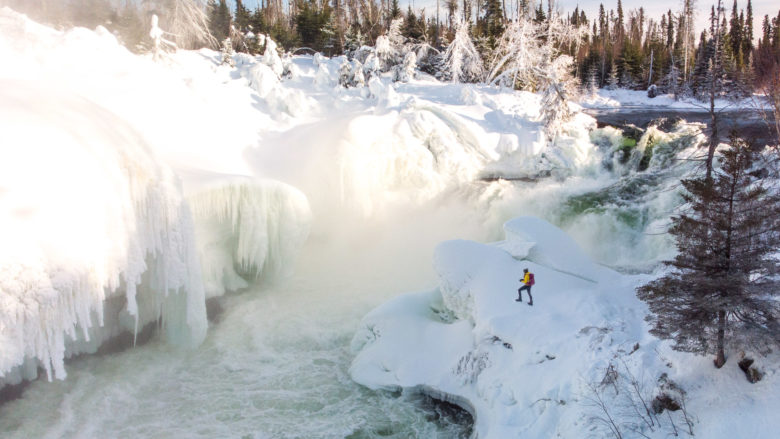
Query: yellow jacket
527, 278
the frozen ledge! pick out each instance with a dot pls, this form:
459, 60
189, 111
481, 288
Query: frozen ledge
516, 369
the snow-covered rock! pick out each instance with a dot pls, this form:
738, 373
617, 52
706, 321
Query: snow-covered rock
538, 371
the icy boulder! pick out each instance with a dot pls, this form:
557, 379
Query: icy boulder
265, 81
246, 229
88, 216
470, 342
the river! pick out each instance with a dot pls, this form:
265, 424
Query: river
275, 361
750, 124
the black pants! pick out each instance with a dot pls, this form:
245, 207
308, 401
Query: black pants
520, 292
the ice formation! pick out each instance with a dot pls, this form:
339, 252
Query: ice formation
88, 213
246, 229
101, 161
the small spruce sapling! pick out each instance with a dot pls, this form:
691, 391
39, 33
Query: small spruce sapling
227, 52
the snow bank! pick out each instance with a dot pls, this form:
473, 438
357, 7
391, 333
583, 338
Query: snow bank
545, 244
87, 213
622, 97
529, 371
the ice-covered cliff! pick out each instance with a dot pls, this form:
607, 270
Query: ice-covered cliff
88, 214
123, 202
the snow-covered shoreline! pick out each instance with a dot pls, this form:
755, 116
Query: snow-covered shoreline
620, 98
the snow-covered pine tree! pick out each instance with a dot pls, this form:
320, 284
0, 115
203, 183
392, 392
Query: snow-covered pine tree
406, 71
612, 78
271, 57
159, 43
395, 34
353, 40
345, 73
351, 73
371, 67
461, 61
227, 52
723, 290
428, 58
186, 20
384, 53
555, 99
358, 79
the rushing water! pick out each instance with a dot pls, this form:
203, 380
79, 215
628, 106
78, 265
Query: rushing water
274, 364
750, 124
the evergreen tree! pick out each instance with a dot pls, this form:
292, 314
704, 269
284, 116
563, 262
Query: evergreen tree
722, 290
227, 53
461, 60
219, 19
540, 17
494, 21
132, 29
747, 41
311, 23
395, 10
411, 28
735, 36
243, 17
612, 79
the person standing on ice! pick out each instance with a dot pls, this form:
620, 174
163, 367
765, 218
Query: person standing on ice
528, 282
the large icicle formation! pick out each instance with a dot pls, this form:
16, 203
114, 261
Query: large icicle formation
247, 228
87, 216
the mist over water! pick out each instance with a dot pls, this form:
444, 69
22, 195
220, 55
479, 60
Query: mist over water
275, 362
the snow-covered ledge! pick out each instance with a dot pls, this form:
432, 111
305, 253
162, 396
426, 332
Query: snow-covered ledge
516, 367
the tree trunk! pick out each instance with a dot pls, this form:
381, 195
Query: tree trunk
720, 358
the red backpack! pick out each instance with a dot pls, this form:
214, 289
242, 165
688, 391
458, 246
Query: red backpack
531, 279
